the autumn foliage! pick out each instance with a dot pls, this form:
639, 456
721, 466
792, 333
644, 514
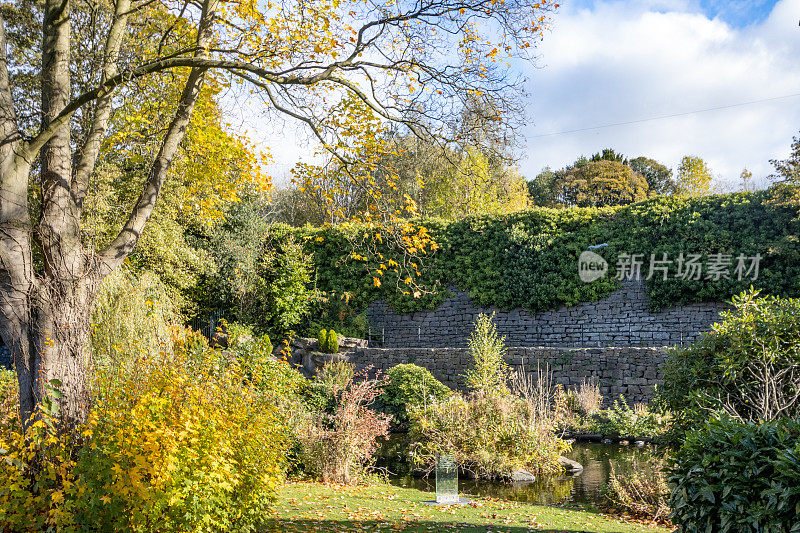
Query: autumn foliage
186, 440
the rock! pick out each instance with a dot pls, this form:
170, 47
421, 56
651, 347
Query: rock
520, 475
608, 441
639, 443
570, 465
624, 443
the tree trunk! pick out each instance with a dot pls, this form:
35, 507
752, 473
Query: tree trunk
61, 318
45, 316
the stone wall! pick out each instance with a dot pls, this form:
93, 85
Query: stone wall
629, 371
621, 319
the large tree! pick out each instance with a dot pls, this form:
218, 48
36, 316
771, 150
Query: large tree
599, 183
658, 176
344, 69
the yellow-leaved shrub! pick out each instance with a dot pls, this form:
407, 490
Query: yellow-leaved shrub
182, 440
36, 468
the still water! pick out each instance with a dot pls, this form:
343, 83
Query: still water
584, 488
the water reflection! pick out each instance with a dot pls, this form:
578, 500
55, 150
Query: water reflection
584, 488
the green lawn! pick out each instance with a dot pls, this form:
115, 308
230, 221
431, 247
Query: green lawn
335, 508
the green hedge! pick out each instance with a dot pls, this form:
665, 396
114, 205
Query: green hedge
736, 477
529, 259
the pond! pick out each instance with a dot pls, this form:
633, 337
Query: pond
584, 488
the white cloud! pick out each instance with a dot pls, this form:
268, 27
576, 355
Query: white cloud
628, 60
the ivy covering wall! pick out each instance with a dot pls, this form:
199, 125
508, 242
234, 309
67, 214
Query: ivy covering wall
529, 259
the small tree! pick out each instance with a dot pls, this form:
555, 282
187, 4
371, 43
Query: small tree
747, 366
487, 348
694, 177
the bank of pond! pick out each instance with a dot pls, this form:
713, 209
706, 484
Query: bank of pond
583, 488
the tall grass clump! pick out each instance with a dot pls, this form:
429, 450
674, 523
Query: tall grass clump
642, 493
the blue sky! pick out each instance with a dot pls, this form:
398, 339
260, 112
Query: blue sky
738, 13
609, 61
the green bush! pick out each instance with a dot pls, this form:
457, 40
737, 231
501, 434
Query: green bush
333, 342
322, 340
319, 394
738, 477
410, 386
328, 341
746, 365
622, 421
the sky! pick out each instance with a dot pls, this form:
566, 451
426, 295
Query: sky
606, 62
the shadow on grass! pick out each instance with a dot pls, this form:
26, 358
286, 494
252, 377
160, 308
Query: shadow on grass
336, 526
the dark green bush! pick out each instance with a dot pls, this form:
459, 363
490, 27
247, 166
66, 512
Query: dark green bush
738, 477
746, 365
410, 386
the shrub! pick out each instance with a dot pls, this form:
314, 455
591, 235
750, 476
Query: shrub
336, 375
748, 365
338, 443
642, 494
189, 444
180, 441
328, 341
131, 317
333, 342
622, 421
281, 292
490, 434
36, 473
733, 476
487, 349
319, 394
409, 387
322, 340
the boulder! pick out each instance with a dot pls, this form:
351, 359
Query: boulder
520, 475
569, 465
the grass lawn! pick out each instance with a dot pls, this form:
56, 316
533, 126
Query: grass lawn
334, 508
